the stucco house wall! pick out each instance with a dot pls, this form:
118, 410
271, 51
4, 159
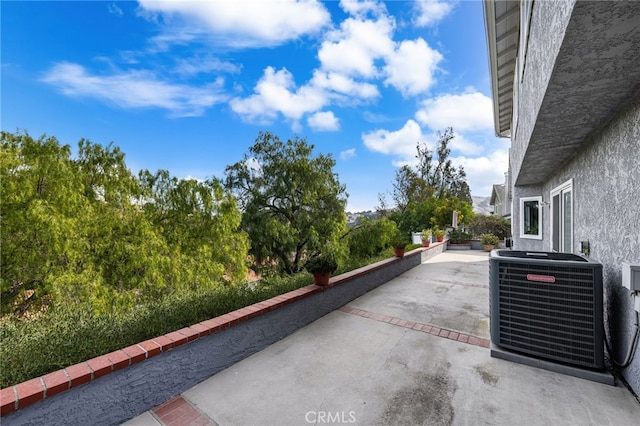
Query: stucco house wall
606, 212
576, 116
546, 32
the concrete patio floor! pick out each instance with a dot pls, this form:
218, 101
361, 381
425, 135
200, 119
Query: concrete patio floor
413, 351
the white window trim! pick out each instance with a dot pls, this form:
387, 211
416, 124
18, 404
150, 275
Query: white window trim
537, 236
558, 191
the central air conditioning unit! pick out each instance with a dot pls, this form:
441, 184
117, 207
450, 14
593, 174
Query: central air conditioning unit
547, 306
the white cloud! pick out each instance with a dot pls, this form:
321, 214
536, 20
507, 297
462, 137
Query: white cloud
411, 67
483, 172
461, 144
430, 12
114, 9
353, 49
205, 65
344, 85
349, 153
468, 111
276, 93
242, 23
180, 37
134, 89
401, 143
362, 7
324, 121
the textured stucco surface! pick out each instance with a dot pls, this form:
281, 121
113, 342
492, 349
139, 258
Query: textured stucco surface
606, 198
595, 70
122, 395
546, 32
579, 118
606, 201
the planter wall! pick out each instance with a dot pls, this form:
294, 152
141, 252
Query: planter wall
121, 395
458, 246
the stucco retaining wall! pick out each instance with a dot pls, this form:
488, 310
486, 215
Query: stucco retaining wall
123, 394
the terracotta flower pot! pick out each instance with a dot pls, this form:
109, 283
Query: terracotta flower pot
399, 252
425, 243
440, 239
321, 278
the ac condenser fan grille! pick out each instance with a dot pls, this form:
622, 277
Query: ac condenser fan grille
549, 310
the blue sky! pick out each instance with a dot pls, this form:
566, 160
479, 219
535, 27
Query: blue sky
187, 86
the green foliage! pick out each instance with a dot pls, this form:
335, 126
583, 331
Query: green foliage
426, 233
416, 215
321, 263
431, 213
67, 335
457, 236
443, 211
292, 201
400, 240
490, 224
438, 232
489, 240
40, 205
432, 177
200, 221
370, 237
85, 231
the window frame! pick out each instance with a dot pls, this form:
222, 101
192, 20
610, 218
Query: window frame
559, 191
524, 200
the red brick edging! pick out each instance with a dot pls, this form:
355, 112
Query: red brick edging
426, 328
27, 393
34, 390
178, 412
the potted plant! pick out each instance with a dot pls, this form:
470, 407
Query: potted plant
399, 243
321, 266
426, 237
439, 233
489, 241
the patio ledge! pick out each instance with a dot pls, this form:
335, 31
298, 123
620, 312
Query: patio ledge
339, 292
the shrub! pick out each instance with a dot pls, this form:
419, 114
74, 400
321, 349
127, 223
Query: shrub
67, 335
370, 237
400, 240
459, 237
489, 240
321, 263
485, 224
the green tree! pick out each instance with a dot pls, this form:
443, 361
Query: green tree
443, 212
41, 201
370, 237
416, 216
292, 202
200, 223
86, 231
431, 177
